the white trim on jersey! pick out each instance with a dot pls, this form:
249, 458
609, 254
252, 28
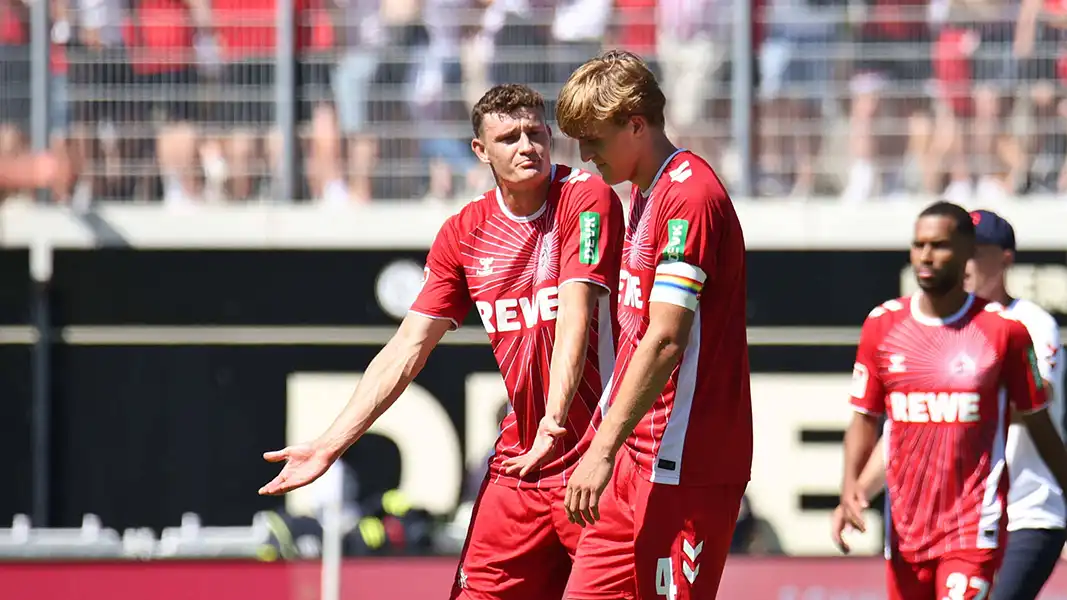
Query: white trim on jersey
537, 213
644, 193
672, 444
935, 321
605, 349
455, 324
678, 283
607, 290
887, 551
993, 508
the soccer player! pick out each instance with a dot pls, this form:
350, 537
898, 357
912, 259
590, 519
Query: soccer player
943, 365
676, 442
538, 257
1036, 507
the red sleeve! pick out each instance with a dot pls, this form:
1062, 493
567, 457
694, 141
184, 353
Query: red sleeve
1021, 375
444, 292
868, 390
688, 231
591, 232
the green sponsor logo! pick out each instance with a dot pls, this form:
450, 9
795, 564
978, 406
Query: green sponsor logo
677, 232
1033, 367
589, 251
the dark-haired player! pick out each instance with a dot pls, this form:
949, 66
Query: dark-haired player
945, 367
538, 257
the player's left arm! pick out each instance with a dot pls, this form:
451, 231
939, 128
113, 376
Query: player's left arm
590, 249
590, 256
689, 236
1029, 395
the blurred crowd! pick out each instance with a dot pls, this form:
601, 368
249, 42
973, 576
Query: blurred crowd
863, 100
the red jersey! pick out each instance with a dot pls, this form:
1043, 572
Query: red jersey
945, 385
160, 38
246, 28
681, 237
510, 268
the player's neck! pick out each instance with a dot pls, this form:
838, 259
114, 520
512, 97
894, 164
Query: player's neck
650, 163
943, 305
524, 203
1001, 296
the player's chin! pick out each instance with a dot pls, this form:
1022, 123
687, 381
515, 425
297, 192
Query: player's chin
526, 177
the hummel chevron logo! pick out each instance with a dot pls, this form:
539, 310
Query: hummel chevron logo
691, 552
690, 574
681, 173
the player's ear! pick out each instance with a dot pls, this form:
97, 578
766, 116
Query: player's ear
1009, 258
478, 147
637, 124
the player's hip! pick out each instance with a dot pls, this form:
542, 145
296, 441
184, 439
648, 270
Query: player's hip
519, 545
974, 543
661, 461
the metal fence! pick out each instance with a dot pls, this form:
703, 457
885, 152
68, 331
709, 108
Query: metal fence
350, 101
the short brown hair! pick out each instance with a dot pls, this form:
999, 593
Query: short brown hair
505, 99
611, 87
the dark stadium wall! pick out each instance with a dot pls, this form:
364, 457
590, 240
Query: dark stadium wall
15, 383
173, 372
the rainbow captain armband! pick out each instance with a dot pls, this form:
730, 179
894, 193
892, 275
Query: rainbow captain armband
678, 283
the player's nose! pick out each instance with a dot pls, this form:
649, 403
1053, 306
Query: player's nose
585, 153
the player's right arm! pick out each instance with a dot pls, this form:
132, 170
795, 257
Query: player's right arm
868, 404
443, 302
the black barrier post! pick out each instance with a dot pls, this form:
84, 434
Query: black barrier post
41, 315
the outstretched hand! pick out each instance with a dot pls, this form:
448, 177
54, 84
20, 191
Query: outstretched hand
548, 431
303, 464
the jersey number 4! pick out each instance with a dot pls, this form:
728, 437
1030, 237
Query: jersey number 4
958, 584
665, 579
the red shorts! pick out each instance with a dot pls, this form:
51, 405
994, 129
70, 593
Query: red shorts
655, 540
962, 575
519, 547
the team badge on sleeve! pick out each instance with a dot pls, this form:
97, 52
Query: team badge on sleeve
859, 380
589, 247
677, 232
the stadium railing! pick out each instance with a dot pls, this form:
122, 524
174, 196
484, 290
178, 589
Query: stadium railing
316, 102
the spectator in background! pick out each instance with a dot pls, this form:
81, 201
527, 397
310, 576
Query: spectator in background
436, 102
1040, 32
14, 77
246, 105
890, 80
977, 73
578, 29
797, 61
99, 78
60, 98
634, 28
361, 36
693, 48
753, 535
160, 36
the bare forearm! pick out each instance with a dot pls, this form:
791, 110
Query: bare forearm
649, 370
383, 382
568, 362
872, 479
569, 348
860, 439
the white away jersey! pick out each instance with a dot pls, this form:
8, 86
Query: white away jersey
1035, 500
